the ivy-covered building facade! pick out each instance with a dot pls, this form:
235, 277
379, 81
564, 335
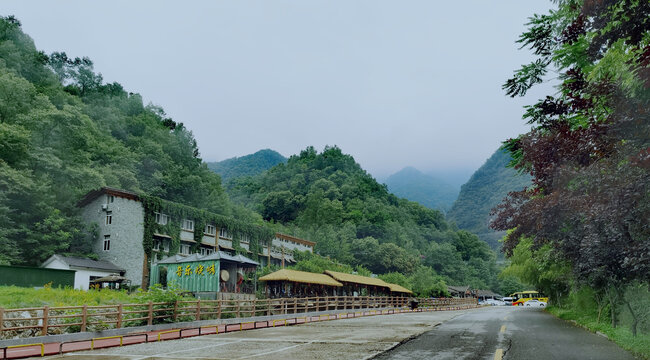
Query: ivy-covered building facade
136, 231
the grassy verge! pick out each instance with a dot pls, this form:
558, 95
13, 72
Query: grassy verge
12, 297
621, 335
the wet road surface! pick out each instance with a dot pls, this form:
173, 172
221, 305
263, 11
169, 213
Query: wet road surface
507, 333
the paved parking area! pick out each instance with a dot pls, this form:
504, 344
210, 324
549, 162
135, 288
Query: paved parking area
355, 338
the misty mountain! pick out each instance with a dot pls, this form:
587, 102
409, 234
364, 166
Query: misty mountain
484, 190
427, 190
248, 165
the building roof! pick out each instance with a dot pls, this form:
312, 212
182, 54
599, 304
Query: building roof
295, 239
459, 289
357, 279
301, 277
399, 289
84, 263
217, 255
107, 190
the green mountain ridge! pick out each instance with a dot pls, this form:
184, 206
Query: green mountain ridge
329, 198
485, 190
248, 165
64, 132
427, 190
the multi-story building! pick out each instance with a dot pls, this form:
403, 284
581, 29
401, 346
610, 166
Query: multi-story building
122, 219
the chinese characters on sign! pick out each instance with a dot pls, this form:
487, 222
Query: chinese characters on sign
198, 270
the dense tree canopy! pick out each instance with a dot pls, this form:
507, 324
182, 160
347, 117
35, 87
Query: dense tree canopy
63, 132
589, 149
328, 197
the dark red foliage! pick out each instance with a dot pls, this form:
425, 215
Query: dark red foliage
590, 165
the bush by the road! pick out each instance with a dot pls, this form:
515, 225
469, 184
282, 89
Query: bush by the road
582, 307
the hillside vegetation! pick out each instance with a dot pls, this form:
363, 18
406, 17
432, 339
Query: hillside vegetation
64, 132
328, 197
427, 190
487, 187
248, 165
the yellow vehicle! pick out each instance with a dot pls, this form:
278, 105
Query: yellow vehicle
519, 298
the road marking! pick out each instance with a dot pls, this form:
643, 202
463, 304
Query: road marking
498, 355
185, 350
503, 328
274, 351
506, 318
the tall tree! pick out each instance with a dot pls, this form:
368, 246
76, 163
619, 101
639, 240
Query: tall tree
589, 149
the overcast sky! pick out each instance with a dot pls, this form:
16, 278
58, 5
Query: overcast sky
393, 83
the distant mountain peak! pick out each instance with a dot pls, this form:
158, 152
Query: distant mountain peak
414, 185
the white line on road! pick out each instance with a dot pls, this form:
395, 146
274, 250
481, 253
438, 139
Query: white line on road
498, 355
503, 328
186, 350
274, 351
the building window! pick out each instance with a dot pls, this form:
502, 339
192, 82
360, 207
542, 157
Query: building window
109, 217
224, 233
185, 249
110, 199
161, 219
166, 246
156, 245
107, 242
210, 229
206, 251
188, 225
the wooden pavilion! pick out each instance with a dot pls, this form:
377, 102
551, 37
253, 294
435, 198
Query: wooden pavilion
293, 283
357, 285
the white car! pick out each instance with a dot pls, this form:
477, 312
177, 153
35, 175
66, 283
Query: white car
535, 303
494, 302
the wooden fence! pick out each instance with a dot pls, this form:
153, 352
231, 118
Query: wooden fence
70, 319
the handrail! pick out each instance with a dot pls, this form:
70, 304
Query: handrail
169, 332
79, 318
92, 341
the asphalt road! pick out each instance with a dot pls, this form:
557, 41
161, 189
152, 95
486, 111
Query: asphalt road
507, 333
342, 339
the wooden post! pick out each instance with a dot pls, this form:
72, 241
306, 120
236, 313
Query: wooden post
254, 306
84, 317
219, 309
150, 314
238, 306
268, 307
295, 305
119, 316
2, 314
46, 311
175, 310
198, 309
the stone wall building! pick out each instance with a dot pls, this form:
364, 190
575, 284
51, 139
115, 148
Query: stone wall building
120, 216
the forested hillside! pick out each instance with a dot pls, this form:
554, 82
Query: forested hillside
63, 132
485, 190
248, 165
328, 197
427, 190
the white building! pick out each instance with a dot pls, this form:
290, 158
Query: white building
86, 270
